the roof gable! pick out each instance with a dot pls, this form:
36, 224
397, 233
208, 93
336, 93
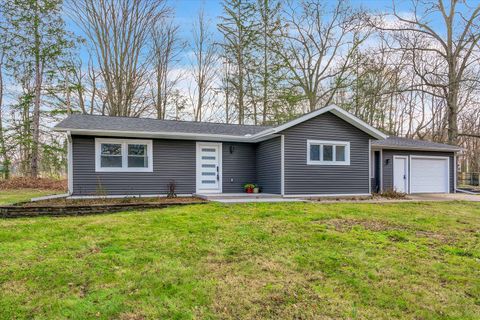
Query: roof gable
339, 112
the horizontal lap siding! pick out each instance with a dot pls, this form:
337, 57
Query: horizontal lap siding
301, 178
238, 166
388, 168
269, 162
172, 160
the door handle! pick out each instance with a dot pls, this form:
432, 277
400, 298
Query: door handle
218, 176
404, 177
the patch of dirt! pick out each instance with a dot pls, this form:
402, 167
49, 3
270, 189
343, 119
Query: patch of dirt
14, 287
131, 316
391, 194
442, 238
34, 183
343, 225
343, 199
110, 201
267, 290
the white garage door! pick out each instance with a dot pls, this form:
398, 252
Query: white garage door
429, 175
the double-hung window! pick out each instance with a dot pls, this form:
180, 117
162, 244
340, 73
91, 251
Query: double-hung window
324, 152
123, 155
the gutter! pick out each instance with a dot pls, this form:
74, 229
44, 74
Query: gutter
264, 135
377, 147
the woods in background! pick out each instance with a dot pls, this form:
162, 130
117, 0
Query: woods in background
412, 73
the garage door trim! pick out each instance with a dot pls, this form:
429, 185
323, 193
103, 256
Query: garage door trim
428, 157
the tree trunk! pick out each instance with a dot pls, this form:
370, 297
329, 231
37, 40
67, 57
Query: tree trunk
3, 149
36, 105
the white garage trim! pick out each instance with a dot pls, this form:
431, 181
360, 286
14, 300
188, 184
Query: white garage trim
428, 157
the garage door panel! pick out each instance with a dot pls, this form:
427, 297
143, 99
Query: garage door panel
429, 175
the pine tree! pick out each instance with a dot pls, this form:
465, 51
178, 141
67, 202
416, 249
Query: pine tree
37, 41
270, 67
237, 29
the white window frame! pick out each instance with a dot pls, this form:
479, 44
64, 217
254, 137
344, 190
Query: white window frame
124, 143
321, 143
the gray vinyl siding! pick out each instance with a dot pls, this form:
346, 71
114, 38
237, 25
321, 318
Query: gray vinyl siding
388, 168
269, 165
301, 178
172, 160
238, 166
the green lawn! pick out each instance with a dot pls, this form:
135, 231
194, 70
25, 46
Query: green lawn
19, 195
274, 261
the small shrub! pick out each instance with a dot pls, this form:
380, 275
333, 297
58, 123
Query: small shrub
172, 186
100, 191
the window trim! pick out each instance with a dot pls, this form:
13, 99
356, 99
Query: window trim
124, 143
333, 143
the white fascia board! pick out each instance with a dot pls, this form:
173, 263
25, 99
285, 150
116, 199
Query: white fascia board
380, 147
336, 111
158, 135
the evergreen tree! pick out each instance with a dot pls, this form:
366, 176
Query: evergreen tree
36, 42
237, 28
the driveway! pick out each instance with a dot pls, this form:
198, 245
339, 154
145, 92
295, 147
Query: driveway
445, 197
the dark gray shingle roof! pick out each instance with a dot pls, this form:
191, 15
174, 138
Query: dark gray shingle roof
93, 122
145, 125
397, 143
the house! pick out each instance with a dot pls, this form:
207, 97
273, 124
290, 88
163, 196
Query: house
325, 152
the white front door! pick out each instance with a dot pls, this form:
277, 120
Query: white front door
209, 167
400, 174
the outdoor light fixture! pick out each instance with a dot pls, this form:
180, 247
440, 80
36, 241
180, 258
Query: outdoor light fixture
387, 161
232, 148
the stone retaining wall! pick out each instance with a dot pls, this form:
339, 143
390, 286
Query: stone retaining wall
79, 210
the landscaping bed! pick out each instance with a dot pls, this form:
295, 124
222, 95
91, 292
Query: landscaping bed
74, 207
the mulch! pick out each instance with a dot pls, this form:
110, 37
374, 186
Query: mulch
34, 183
67, 207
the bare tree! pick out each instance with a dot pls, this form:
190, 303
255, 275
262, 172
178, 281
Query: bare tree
441, 38
120, 32
203, 67
166, 49
318, 47
236, 28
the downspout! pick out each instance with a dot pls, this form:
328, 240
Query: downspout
370, 166
69, 163
282, 166
455, 168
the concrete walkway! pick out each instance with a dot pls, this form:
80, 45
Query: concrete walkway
445, 197
247, 197
273, 198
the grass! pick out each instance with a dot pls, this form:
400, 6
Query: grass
11, 196
273, 261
